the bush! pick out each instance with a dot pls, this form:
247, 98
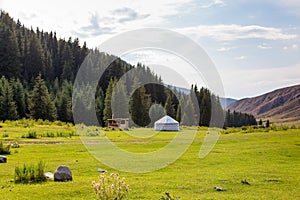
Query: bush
5, 135
111, 187
30, 135
4, 150
30, 173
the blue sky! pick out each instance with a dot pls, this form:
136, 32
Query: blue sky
254, 44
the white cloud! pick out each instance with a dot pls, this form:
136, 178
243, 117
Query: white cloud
241, 82
111, 16
179, 72
295, 46
264, 46
224, 49
214, 3
240, 57
236, 32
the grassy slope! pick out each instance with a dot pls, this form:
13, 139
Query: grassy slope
257, 157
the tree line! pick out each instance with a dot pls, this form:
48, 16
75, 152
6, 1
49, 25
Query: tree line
38, 71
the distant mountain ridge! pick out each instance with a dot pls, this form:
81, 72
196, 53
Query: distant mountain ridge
281, 104
223, 100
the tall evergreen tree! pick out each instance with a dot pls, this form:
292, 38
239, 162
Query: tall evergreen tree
41, 105
64, 102
169, 107
156, 112
107, 112
189, 115
139, 106
99, 106
10, 65
120, 102
8, 108
20, 94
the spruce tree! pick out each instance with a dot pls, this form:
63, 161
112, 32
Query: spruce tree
64, 102
10, 65
139, 106
41, 105
156, 112
8, 108
120, 101
19, 97
169, 107
99, 106
189, 115
107, 112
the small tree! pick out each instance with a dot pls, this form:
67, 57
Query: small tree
8, 108
41, 105
260, 123
267, 124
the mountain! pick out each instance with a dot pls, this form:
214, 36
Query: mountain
279, 105
226, 101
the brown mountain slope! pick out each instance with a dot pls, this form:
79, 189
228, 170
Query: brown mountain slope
280, 104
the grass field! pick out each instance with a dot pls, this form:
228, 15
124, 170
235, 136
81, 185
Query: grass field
269, 161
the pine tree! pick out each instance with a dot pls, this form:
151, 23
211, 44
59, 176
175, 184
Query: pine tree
41, 105
139, 106
169, 107
178, 113
35, 64
267, 124
99, 106
107, 113
10, 65
64, 102
120, 101
8, 108
19, 97
156, 112
189, 115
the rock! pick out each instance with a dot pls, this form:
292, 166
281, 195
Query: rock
3, 159
101, 170
63, 173
219, 189
48, 175
245, 182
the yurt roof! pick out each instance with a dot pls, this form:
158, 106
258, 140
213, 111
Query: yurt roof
166, 120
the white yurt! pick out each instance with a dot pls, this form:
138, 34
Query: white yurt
166, 123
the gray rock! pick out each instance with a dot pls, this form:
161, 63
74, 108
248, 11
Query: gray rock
63, 173
3, 159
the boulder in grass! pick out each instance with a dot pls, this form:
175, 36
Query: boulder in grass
3, 159
63, 173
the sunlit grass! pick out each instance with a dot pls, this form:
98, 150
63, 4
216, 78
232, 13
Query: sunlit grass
267, 160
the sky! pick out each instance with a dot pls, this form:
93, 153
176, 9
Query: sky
254, 44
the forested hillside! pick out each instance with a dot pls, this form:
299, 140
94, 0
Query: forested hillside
37, 72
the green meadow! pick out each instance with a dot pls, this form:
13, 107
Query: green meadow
267, 159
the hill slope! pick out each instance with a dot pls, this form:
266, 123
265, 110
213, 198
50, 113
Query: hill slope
280, 105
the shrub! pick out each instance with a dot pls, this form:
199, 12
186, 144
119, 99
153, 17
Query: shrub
5, 135
30, 134
3, 149
111, 187
30, 173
